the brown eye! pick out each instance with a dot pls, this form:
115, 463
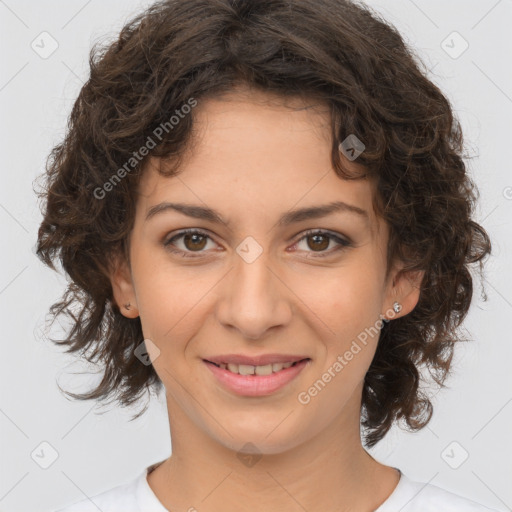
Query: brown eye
192, 241
318, 241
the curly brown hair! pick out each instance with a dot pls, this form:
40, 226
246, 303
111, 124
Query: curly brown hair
337, 52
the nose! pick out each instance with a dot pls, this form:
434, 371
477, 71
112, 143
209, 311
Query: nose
253, 299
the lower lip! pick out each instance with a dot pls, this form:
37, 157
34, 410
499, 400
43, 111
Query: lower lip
256, 385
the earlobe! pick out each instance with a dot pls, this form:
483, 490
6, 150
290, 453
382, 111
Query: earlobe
404, 295
122, 287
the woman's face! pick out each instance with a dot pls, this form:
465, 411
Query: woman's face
257, 283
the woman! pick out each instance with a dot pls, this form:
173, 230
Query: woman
263, 209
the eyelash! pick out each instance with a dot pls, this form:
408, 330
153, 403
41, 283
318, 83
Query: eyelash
192, 254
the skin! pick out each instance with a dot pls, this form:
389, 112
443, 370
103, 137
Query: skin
254, 158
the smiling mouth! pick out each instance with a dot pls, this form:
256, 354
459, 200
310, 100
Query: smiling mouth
246, 369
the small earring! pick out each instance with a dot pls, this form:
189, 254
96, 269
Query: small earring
127, 306
397, 307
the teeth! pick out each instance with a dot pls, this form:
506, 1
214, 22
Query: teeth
246, 369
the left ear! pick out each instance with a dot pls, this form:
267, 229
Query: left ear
404, 289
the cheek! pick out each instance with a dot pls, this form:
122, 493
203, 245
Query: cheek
344, 312
337, 303
170, 301
345, 300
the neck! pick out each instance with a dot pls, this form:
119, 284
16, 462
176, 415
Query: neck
329, 471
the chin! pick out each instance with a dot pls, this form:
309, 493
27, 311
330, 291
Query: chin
257, 441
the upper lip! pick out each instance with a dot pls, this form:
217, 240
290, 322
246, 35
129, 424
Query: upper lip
261, 360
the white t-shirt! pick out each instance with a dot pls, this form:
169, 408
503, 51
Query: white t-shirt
408, 496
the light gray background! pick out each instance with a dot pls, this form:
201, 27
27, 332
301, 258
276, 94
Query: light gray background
97, 452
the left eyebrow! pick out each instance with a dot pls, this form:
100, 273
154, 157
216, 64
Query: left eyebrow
291, 217
316, 212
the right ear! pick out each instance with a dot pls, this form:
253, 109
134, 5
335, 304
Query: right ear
122, 286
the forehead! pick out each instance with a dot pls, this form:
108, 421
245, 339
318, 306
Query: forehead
257, 153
